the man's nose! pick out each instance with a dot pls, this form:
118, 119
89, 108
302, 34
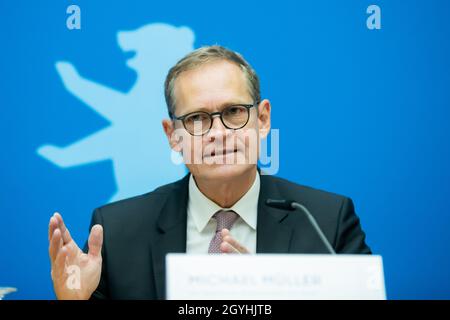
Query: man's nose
217, 127
217, 123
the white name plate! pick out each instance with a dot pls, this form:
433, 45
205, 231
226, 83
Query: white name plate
274, 276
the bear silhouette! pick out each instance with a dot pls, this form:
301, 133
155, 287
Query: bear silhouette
134, 141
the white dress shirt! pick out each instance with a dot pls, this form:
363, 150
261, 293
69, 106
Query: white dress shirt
201, 227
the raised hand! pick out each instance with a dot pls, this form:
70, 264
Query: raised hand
75, 274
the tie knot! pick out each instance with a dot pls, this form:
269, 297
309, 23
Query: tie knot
225, 219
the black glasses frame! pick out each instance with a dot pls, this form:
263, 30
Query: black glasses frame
214, 114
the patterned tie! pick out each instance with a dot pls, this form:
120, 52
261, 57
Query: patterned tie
225, 220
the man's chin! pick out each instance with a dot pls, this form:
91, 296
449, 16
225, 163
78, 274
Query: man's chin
222, 171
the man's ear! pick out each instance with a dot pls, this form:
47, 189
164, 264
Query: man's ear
173, 139
264, 118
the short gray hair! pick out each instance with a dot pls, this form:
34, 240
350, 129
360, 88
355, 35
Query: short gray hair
205, 55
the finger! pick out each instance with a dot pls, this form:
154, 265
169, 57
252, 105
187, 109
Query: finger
59, 266
52, 226
226, 247
235, 244
55, 244
95, 241
223, 246
73, 252
64, 231
224, 233
226, 236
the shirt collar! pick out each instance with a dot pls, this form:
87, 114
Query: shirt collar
202, 208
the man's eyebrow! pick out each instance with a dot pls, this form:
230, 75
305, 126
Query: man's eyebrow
219, 108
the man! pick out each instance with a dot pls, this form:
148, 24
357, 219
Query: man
215, 109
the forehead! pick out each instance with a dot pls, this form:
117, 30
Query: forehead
211, 85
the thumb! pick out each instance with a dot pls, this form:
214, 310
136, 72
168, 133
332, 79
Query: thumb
95, 241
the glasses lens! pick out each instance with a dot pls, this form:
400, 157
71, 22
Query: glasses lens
197, 123
235, 117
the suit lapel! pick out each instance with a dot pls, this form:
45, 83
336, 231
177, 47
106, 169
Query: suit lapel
171, 232
272, 232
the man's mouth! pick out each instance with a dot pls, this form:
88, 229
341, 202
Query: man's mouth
224, 153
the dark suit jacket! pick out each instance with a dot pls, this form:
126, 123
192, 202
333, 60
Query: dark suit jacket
140, 231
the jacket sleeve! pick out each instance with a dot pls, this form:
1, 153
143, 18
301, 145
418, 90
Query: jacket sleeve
350, 238
102, 291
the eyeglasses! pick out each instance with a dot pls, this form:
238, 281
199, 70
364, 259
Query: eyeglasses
233, 117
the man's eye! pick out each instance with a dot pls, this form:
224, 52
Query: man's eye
234, 110
196, 117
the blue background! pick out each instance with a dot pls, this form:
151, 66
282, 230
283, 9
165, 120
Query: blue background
361, 113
